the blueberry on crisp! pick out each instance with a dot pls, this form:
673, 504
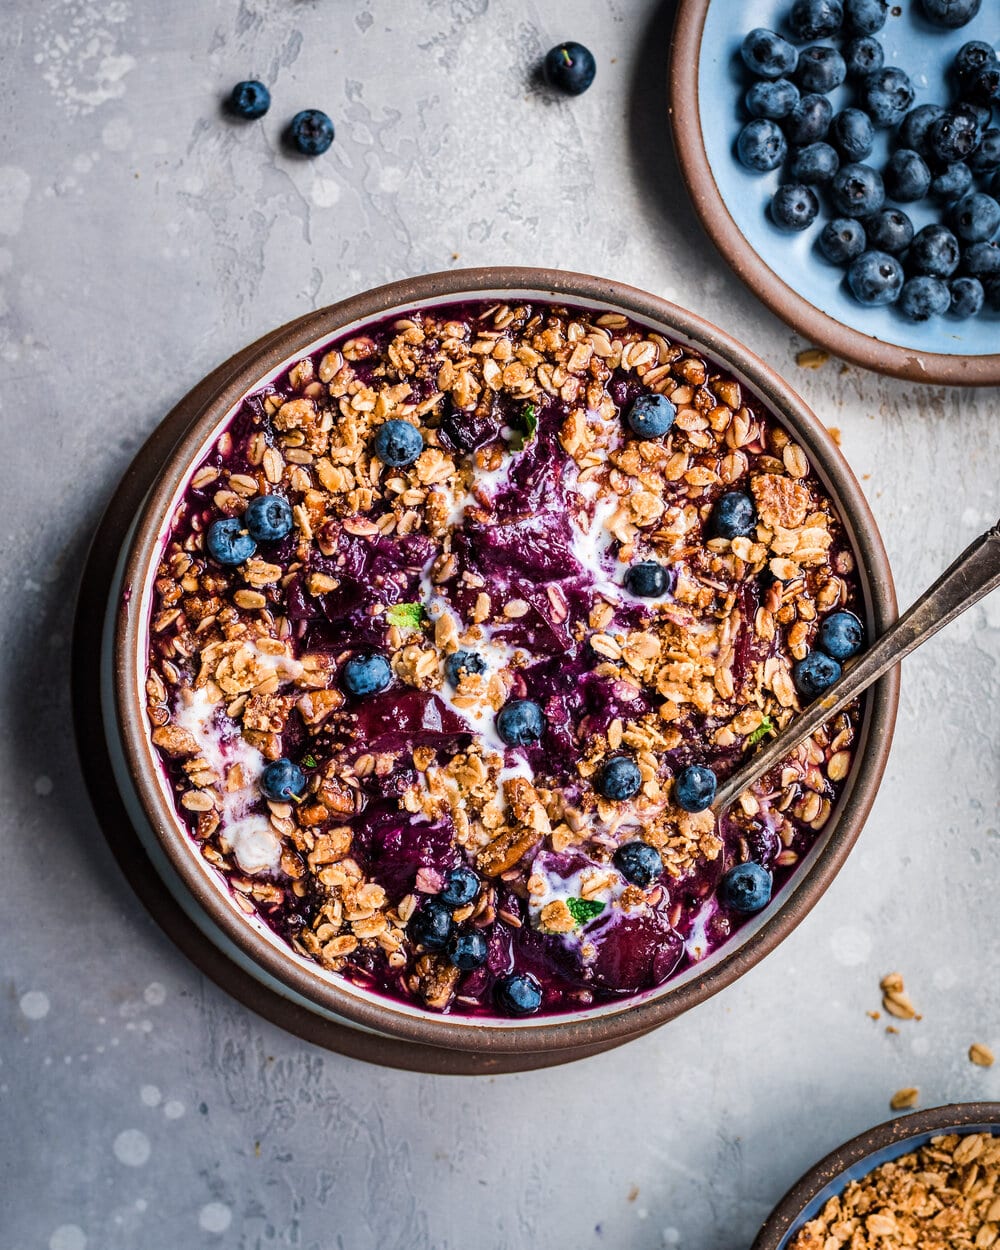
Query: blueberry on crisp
767, 55
366, 674
570, 67
228, 542
619, 779
761, 145
842, 239
311, 132
398, 443
250, 99
647, 580
840, 635
282, 780
520, 722
638, 862
694, 788
519, 994
464, 664
733, 516
268, 518
651, 416
746, 888
794, 205
430, 926
460, 887
875, 278
468, 950
816, 673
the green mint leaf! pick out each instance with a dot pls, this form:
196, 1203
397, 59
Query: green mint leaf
525, 430
407, 615
583, 909
765, 727
309, 761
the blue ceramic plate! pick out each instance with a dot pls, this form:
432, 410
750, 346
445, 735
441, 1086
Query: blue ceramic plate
708, 83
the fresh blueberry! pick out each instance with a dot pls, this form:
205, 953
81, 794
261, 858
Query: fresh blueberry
694, 788
840, 635
991, 291
772, 99
761, 145
430, 926
619, 779
853, 134
809, 120
981, 114
397, 443
986, 158
983, 87
638, 862
953, 136
915, 125
863, 56
887, 95
519, 994
889, 231
647, 580
366, 674
570, 67
268, 518
282, 781
520, 722
922, 298
934, 252
733, 516
468, 950
951, 13
951, 183
794, 206
842, 240
966, 297
972, 57
820, 69
767, 55
228, 542
865, 17
250, 99
311, 132
857, 190
460, 887
875, 278
650, 416
907, 177
464, 664
746, 888
816, 673
981, 260
815, 19
975, 218
815, 163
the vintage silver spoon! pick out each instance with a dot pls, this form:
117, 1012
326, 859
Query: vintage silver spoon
974, 574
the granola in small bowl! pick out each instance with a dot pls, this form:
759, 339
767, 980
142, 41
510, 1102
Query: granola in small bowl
445, 622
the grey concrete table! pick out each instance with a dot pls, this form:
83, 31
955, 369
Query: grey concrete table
143, 239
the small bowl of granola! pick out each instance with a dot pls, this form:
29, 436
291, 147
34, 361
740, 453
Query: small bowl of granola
930, 1179
436, 632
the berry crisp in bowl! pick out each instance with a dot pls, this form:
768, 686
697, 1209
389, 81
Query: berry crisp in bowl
444, 628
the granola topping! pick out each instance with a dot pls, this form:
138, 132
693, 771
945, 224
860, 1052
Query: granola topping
488, 570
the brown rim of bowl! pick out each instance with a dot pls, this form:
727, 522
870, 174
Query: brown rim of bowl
872, 745
957, 1115
853, 345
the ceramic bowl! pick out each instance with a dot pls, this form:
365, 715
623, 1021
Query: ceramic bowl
787, 271
861, 1155
247, 941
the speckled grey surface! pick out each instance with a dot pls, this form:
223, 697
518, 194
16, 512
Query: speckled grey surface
142, 239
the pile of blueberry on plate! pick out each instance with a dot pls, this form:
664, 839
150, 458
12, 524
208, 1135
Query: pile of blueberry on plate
944, 156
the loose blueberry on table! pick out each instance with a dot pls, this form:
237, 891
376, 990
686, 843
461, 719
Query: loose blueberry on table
457, 628
946, 155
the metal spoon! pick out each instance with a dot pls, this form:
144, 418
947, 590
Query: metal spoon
974, 574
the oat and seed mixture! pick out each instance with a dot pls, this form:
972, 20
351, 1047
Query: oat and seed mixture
506, 539
944, 1196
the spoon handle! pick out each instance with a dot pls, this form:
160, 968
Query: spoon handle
974, 574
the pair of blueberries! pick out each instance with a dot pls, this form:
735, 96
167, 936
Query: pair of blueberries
310, 131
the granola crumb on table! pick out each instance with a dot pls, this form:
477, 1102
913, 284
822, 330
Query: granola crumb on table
505, 539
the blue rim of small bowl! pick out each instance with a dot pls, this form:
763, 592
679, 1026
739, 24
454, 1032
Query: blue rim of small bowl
786, 302
861, 1155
